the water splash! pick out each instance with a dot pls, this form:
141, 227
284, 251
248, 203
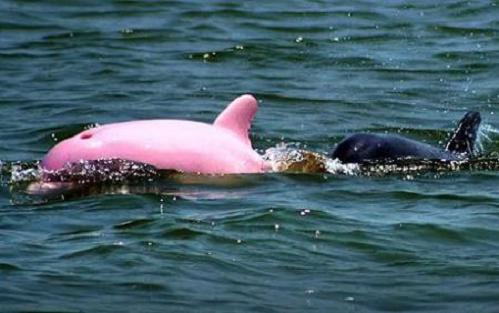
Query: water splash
485, 133
104, 170
290, 159
334, 166
281, 156
423, 166
20, 172
111, 176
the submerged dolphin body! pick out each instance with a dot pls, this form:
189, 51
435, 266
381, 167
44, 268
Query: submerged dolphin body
186, 146
373, 147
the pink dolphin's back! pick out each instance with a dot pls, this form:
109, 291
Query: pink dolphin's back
192, 147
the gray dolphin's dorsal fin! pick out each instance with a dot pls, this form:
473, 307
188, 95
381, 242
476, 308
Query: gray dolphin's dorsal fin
464, 136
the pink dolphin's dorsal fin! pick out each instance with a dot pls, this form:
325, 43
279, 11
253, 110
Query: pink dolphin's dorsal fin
237, 117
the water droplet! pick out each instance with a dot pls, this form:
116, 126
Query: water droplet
305, 212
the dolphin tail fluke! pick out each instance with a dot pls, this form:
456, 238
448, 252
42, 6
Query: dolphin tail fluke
463, 138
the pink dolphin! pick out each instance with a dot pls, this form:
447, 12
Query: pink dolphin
191, 147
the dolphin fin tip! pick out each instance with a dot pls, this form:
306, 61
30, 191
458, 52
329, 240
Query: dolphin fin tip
464, 136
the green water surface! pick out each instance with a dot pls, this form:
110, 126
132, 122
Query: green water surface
255, 243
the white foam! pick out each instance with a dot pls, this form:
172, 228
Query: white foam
19, 174
334, 166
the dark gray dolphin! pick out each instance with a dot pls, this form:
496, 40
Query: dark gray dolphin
373, 147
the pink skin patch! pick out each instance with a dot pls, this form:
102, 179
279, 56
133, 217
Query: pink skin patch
192, 147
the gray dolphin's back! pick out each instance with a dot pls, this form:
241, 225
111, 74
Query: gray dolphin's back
363, 147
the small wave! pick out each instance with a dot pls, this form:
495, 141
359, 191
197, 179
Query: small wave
412, 167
